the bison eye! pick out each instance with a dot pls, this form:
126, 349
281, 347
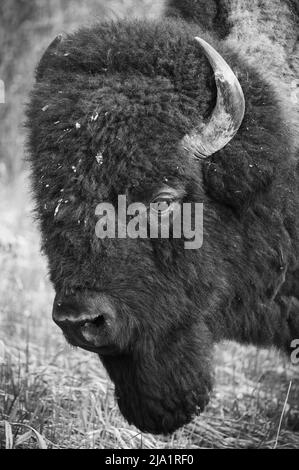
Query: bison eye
163, 203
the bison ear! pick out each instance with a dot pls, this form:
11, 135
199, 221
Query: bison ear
49, 54
236, 177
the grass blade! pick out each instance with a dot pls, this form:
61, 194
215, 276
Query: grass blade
8, 435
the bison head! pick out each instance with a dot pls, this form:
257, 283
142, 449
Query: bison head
141, 109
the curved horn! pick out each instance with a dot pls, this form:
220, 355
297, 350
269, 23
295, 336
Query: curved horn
229, 111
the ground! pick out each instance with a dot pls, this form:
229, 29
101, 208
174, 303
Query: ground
56, 396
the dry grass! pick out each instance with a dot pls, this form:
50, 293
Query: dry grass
57, 397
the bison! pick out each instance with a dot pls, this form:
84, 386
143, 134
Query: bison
197, 106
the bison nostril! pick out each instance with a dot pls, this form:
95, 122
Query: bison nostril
88, 320
99, 321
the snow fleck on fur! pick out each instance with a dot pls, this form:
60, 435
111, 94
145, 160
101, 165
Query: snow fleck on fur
100, 158
58, 207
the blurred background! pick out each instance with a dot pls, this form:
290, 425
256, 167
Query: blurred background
26, 28
52, 396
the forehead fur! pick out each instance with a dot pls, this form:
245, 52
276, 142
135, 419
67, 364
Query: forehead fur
127, 92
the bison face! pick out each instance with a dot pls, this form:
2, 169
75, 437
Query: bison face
124, 110
145, 317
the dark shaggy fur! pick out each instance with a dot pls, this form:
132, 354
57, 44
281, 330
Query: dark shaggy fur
136, 88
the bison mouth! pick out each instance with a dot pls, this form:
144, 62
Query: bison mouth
77, 338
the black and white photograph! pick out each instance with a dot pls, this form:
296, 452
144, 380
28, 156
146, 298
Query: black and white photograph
149, 227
